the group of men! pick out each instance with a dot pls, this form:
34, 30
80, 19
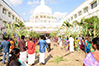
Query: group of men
5, 45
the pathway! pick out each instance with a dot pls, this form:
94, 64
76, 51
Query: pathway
72, 59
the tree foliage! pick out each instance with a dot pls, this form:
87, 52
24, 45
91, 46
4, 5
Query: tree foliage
90, 25
67, 24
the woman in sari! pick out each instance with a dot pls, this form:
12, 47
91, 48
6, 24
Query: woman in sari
77, 44
92, 58
66, 44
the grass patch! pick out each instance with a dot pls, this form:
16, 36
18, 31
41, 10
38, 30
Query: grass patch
58, 59
36, 51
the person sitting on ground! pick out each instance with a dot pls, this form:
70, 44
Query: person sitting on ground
92, 59
13, 60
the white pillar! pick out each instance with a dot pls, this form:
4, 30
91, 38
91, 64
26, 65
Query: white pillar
97, 2
82, 11
98, 5
1, 23
1, 8
34, 18
0, 28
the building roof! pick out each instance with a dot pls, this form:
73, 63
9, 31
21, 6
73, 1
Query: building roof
11, 8
42, 8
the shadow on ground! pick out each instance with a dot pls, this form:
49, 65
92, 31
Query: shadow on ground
46, 60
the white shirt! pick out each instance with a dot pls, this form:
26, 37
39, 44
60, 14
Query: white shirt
71, 39
48, 41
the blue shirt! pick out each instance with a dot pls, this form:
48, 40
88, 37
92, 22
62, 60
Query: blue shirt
42, 44
87, 44
5, 45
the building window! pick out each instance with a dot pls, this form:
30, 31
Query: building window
9, 14
36, 17
85, 9
44, 20
4, 11
75, 15
13, 17
71, 18
16, 19
41, 17
93, 5
80, 13
49, 21
68, 19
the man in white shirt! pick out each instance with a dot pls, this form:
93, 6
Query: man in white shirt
48, 41
71, 44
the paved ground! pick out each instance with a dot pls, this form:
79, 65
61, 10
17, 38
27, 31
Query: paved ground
72, 59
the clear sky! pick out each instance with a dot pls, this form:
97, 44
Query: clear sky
25, 8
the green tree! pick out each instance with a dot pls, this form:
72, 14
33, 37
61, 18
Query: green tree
90, 25
67, 24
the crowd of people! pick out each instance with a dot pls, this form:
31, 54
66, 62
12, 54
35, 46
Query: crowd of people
17, 54
77, 44
91, 48
22, 51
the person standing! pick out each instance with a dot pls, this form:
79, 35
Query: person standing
23, 52
31, 52
13, 60
86, 44
77, 44
92, 58
42, 43
82, 44
60, 41
48, 44
5, 45
13, 45
86, 37
66, 44
71, 44
79, 41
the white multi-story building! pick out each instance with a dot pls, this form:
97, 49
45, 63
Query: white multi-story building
7, 14
42, 20
87, 9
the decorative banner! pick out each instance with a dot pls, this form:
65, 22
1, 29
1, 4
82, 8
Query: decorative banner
36, 27
55, 27
49, 27
43, 27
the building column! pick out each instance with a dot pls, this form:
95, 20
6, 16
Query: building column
1, 23
89, 7
34, 19
39, 18
97, 2
7, 13
0, 28
82, 11
1, 8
